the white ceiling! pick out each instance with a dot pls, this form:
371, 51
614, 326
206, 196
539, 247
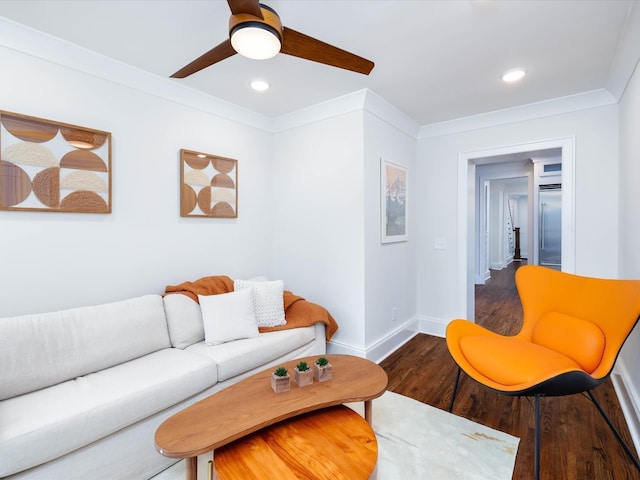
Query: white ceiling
435, 60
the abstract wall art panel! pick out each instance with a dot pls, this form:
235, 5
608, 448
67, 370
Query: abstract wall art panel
208, 185
53, 167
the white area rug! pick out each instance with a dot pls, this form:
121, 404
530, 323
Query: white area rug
417, 441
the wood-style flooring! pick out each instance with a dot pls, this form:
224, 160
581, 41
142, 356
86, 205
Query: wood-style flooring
576, 442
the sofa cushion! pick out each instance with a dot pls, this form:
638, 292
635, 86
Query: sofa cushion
46, 424
40, 350
184, 319
235, 358
228, 316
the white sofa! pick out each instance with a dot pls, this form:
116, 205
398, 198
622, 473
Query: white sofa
82, 391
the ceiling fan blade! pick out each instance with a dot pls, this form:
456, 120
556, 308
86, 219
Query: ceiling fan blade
251, 7
301, 45
216, 54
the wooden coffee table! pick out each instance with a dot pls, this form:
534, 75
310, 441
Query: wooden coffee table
251, 404
311, 446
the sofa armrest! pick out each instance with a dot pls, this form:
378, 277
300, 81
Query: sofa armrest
320, 339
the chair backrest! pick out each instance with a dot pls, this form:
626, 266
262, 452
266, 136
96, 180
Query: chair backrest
585, 318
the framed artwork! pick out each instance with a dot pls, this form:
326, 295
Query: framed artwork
394, 202
53, 167
208, 185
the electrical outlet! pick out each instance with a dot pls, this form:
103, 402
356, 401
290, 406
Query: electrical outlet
394, 310
440, 244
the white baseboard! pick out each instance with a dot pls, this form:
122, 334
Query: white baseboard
482, 278
629, 401
382, 348
487, 276
339, 348
393, 340
433, 326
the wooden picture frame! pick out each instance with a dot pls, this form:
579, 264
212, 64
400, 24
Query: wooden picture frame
208, 185
394, 202
49, 166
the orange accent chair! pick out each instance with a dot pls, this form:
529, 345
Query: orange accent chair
572, 332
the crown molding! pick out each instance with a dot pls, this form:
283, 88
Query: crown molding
381, 108
351, 102
51, 49
556, 106
360, 100
627, 54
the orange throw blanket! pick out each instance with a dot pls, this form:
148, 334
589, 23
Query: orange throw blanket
297, 311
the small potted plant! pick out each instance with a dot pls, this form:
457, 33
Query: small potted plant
280, 381
303, 374
322, 369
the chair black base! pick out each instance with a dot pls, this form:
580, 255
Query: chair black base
455, 390
536, 460
615, 431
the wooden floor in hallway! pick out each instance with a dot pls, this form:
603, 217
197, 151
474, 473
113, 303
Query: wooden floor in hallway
576, 442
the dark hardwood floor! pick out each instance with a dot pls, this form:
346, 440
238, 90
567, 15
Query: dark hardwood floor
576, 442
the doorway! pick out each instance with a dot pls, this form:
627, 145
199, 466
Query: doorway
469, 209
503, 198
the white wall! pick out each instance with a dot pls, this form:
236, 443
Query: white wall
390, 269
596, 198
59, 260
308, 196
327, 219
629, 253
318, 223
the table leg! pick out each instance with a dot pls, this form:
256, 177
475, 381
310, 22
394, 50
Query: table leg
368, 411
211, 471
192, 468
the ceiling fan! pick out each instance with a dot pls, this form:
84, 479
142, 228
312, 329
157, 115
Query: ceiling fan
255, 31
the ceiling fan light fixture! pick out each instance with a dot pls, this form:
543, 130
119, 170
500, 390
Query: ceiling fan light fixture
255, 31
255, 40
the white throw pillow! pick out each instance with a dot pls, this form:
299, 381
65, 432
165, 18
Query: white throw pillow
228, 316
184, 319
267, 299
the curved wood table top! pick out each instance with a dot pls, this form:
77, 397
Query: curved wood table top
334, 443
251, 404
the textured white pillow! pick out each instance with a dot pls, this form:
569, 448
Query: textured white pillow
228, 316
267, 300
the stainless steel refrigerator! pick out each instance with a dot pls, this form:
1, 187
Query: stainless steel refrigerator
550, 226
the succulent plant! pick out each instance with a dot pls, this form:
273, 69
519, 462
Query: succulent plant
322, 361
302, 367
280, 372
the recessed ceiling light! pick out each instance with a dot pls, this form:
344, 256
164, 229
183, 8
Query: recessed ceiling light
259, 85
513, 75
